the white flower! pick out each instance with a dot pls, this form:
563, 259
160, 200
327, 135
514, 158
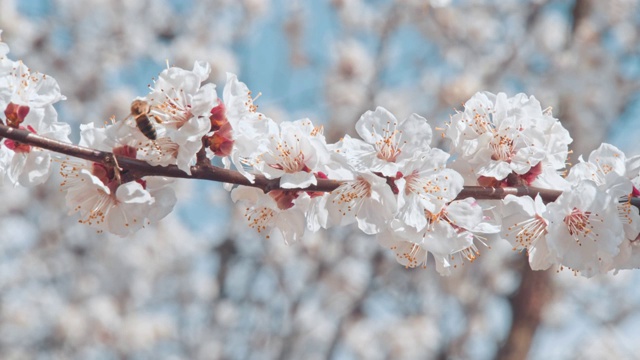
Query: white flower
499, 136
21, 86
96, 192
607, 168
616, 175
241, 134
28, 165
282, 211
28, 106
449, 236
183, 107
590, 228
294, 155
368, 200
408, 253
391, 141
469, 223
525, 227
336, 168
426, 185
26, 100
605, 163
584, 231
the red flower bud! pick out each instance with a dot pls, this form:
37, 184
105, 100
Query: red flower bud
15, 114
218, 116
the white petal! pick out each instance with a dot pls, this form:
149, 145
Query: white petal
133, 193
299, 180
417, 133
36, 168
371, 124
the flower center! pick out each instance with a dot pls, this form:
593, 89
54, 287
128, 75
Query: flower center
388, 148
259, 218
480, 123
529, 231
422, 186
175, 107
502, 147
350, 193
25, 83
434, 218
290, 158
579, 225
410, 254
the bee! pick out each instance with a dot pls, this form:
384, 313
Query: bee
141, 112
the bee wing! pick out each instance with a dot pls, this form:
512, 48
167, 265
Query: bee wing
130, 120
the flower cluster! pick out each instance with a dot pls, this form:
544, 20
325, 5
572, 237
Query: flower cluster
502, 141
392, 183
97, 191
591, 227
26, 100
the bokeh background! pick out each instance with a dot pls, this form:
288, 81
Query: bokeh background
201, 285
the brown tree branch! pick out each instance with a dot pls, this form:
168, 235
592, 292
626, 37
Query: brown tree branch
135, 169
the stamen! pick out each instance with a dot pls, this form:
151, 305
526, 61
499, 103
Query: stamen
529, 231
388, 148
350, 193
259, 218
579, 225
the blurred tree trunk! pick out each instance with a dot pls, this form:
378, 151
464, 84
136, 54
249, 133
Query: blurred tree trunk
527, 304
535, 290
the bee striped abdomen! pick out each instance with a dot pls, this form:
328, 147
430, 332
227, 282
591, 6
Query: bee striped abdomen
146, 127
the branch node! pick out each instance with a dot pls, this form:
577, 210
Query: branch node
201, 155
112, 160
271, 184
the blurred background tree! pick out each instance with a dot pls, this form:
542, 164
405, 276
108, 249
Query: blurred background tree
201, 285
